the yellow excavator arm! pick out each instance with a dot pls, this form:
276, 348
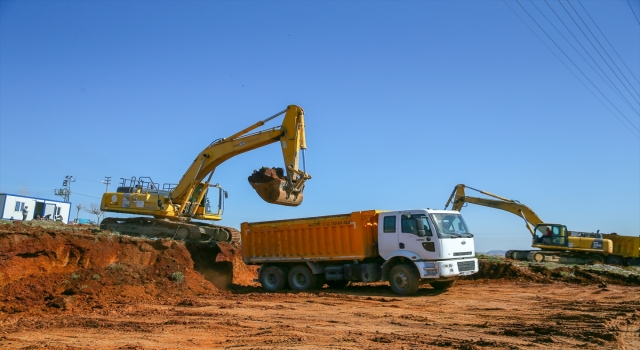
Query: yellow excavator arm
553, 239
186, 199
291, 135
458, 199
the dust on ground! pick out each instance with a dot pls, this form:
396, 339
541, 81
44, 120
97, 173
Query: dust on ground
76, 288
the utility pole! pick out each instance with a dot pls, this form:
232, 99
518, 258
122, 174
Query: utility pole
65, 192
107, 181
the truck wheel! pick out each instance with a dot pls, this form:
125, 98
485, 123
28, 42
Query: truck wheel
273, 278
301, 278
338, 283
442, 285
615, 260
404, 280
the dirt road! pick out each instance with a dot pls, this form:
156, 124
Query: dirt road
473, 315
140, 304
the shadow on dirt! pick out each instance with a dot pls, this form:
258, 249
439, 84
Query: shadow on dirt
378, 289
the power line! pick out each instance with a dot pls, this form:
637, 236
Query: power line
86, 195
598, 51
610, 83
605, 38
547, 46
634, 12
578, 68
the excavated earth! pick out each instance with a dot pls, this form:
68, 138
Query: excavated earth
69, 287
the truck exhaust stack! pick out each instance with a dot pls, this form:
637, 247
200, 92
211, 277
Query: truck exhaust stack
270, 184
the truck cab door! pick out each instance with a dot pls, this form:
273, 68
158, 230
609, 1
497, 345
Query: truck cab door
387, 234
417, 235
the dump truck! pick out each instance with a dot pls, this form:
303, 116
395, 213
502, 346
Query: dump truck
554, 241
406, 248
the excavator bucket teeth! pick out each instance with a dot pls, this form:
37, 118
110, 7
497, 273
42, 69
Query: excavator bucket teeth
269, 183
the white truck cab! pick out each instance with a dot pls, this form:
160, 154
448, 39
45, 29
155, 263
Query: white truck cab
437, 242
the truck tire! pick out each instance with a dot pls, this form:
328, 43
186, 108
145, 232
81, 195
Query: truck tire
404, 280
338, 283
273, 278
442, 285
301, 278
614, 260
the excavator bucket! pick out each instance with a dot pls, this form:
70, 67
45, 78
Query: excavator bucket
269, 183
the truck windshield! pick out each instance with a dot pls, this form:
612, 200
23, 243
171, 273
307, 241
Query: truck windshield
451, 225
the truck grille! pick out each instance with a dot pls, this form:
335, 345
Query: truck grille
466, 265
462, 253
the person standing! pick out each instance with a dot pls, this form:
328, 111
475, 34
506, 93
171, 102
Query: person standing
25, 212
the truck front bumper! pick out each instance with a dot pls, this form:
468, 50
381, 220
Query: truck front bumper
447, 268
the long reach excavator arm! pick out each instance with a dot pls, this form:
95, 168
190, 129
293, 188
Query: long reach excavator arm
458, 199
172, 206
291, 134
556, 243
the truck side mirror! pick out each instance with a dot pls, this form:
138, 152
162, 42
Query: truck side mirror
421, 232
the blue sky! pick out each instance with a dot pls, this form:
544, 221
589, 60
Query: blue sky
403, 100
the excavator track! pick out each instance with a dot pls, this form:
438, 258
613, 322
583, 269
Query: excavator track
161, 228
555, 256
517, 254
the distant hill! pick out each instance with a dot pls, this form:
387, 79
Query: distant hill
495, 252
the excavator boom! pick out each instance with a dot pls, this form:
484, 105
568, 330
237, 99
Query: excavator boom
292, 141
188, 199
557, 244
458, 198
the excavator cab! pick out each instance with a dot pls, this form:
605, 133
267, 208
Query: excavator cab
550, 235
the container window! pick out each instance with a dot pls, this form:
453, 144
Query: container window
19, 206
389, 224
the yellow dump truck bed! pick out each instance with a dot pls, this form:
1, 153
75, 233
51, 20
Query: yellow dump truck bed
626, 246
337, 237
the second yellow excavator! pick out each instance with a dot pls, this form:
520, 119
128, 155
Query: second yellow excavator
168, 210
556, 243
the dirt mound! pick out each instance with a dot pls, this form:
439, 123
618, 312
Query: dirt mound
506, 270
221, 264
50, 269
266, 174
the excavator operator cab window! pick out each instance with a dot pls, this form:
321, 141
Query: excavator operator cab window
558, 236
541, 232
550, 235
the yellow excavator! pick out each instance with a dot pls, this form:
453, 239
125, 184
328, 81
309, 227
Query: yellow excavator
169, 210
556, 243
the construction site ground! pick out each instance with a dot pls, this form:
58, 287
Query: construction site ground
76, 287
